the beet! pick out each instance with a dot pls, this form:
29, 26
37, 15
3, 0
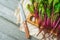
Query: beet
48, 21
45, 20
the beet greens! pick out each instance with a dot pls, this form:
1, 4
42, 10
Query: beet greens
47, 12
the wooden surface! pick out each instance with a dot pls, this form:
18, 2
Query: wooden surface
8, 29
7, 9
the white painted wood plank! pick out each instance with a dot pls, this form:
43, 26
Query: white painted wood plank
8, 31
9, 3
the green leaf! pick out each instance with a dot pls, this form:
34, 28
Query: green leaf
57, 8
40, 5
49, 2
48, 12
32, 1
30, 8
55, 1
43, 10
38, 1
39, 10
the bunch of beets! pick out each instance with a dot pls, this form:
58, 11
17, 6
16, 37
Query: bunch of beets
48, 14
